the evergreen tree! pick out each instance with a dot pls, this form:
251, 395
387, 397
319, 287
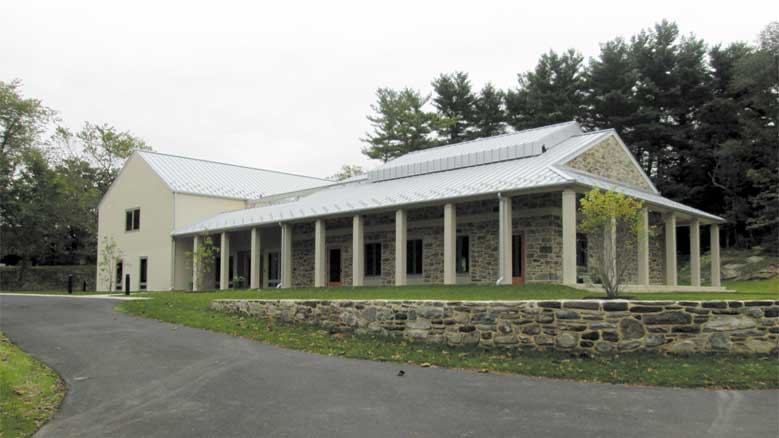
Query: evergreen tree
490, 112
553, 92
454, 101
400, 124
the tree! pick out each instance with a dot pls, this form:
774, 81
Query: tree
203, 259
553, 92
347, 171
489, 112
400, 124
110, 255
612, 223
455, 102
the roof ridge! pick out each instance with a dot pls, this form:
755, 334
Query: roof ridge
144, 151
486, 138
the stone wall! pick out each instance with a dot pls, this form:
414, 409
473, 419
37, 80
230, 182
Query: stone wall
593, 326
609, 160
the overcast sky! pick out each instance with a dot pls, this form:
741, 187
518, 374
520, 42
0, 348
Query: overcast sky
287, 85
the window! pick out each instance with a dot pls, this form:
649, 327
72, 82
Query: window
372, 259
132, 219
516, 255
143, 274
414, 257
462, 256
274, 269
118, 275
581, 250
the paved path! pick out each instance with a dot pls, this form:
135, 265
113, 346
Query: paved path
131, 377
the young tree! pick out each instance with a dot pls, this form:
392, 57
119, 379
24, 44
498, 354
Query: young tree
110, 255
553, 92
454, 101
203, 259
400, 124
612, 223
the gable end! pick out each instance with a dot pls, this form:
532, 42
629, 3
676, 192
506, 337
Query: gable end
610, 159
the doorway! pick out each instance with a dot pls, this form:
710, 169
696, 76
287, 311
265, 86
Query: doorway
274, 269
334, 270
518, 259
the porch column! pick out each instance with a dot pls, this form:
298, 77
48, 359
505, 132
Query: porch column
255, 270
195, 268
401, 236
643, 248
569, 237
286, 256
319, 253
670, 249
504, 240
224, 259
358, 251
450, 244
715, 261
695, 252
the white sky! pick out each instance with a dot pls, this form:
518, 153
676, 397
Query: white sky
287, 85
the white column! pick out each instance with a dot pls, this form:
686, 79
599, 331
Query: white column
569, 237
224, 267
643, 248
504, 240
695, 252
401, 237
670, 249
286, 256
195, 266
715, 260
319, 253
172, 264
358, 251
255, 270
450, 244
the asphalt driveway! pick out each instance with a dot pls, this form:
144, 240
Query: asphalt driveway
131, 377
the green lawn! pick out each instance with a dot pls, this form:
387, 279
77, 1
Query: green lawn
724, 371
30, 392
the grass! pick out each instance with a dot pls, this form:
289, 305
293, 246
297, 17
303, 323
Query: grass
720, 371
30, 392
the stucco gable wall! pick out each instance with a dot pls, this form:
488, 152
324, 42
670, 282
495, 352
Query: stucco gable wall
609, 160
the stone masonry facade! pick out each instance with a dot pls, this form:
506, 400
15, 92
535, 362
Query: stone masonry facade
608, 160
591, 326
537, 218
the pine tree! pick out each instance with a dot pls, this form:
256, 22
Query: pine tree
490, 113
455, 102
400, 124
553, 92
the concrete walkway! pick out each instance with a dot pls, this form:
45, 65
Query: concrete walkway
131, 377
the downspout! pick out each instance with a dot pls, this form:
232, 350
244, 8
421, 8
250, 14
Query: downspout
500, 278
281, 260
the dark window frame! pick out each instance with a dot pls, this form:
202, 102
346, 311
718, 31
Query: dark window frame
414, 256
373, 259
119, 274
582, 251
462, 253
132, 219
143, 273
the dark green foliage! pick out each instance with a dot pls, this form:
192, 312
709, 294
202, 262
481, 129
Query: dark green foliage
455, 102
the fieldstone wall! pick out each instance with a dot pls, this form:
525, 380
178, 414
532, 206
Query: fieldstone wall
609, 160
592, 326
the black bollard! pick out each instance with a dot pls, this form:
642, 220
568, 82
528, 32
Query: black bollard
84, 286
127, 284
70, 283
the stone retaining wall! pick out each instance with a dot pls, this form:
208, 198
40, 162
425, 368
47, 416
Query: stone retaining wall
595, 326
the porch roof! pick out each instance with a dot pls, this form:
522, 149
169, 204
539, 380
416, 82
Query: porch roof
537, 172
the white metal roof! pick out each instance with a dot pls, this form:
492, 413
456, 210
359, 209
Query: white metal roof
537, 171
201, 177
520, 144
